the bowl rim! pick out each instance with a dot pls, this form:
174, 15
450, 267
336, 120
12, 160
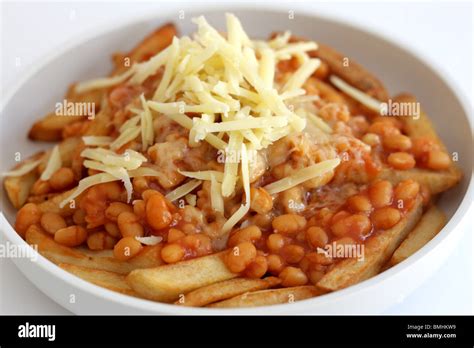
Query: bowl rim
161, 308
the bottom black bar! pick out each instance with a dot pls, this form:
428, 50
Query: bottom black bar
241, 330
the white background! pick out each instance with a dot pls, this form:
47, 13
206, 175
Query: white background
442, 31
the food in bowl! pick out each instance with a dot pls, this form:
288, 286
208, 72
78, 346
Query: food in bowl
223, 171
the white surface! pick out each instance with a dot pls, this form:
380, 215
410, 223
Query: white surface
32, 30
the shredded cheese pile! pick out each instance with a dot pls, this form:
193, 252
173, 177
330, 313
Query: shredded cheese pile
229, 82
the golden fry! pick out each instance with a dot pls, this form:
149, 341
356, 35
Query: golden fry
167, 283
430, 224
109, 280
378, 249
224, 290
270, 297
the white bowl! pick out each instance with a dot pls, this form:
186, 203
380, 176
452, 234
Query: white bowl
400, 70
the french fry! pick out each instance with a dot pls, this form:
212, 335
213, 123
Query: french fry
225, 290
60, 254
377, 252
18, 187
109, 280
67, 148
353, 73
52, 205
148, 47
167, 283
435, 181
429, 226
270, 297
422, 127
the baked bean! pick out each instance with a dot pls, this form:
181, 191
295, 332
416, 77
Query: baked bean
205, 244
113, 229
371, 139
262, 221
292, 253
62, 178
315, 276
127, 248
438, 160
292, 276
158, 215
356, 225
275, 242
401, 160
101, 241
288, 224
191, 241
293, 199
260, 200
40, 187
322, 217
305, 264
247, 234
79, 217
319, 258
275, 263
129, 225
406, 190
71, 236
383, 128
398, 142
316, 237
240, 257
28, 215
148, 193
172, 253
114, 210
257, 268
339, 216
174, 235
359, 203
140, 184
301, 236
385, 218
423, 145
381, 193
51, 222
139, 208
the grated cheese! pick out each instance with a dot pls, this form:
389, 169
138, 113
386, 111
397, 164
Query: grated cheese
183, 190
203, 175
217, 202
54, 163
301, 176
25, 168
358, 95
150, 240
191, 199
244, 208
92, 140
